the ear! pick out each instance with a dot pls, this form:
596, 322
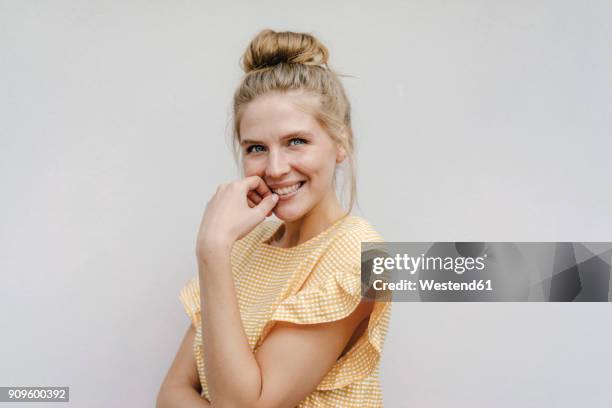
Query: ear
340, 154
340, 150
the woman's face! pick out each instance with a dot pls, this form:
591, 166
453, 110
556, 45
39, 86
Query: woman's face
290, 151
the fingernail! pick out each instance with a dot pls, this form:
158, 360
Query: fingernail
275, 197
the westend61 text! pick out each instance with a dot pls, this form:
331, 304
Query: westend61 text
429, 284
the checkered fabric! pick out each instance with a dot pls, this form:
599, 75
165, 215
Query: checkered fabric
314, 282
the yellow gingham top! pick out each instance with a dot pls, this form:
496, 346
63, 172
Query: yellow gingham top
314, 282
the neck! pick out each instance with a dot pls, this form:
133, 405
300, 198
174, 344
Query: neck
317, 220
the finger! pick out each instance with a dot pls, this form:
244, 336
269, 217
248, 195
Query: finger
253, 196
267, 204
251, 203
256, 183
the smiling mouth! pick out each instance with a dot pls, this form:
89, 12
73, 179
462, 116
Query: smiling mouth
285, 191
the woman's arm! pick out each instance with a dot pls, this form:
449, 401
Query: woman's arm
294, 358
287, 367
180, 396
181, 386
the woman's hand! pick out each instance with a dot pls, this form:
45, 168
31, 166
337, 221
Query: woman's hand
233, 211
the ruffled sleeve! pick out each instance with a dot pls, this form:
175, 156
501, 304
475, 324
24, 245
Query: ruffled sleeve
190, 298
334, 299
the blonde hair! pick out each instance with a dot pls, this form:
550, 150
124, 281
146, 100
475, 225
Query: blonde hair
287, 61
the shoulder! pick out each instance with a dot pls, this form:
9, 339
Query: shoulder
358, 228
352, 233
343, 248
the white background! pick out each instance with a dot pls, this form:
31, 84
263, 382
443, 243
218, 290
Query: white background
475, 120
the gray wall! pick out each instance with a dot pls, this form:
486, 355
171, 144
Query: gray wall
476, 120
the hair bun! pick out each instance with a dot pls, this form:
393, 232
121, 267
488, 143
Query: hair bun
270, 48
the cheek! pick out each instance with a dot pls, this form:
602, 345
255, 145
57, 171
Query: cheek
320, 169
252, 168
306, 167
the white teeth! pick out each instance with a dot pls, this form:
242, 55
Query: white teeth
287, 190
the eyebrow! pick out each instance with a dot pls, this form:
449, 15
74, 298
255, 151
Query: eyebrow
287, 136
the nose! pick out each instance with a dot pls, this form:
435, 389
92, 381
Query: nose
277, 165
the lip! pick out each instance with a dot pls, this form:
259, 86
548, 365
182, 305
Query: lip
277, 186
290, 195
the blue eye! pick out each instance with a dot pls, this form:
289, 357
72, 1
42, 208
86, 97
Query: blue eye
250, 148
256, 148
297, 138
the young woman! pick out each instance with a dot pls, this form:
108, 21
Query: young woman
277, 316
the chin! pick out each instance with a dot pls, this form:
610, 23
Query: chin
287, 218
288, 215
